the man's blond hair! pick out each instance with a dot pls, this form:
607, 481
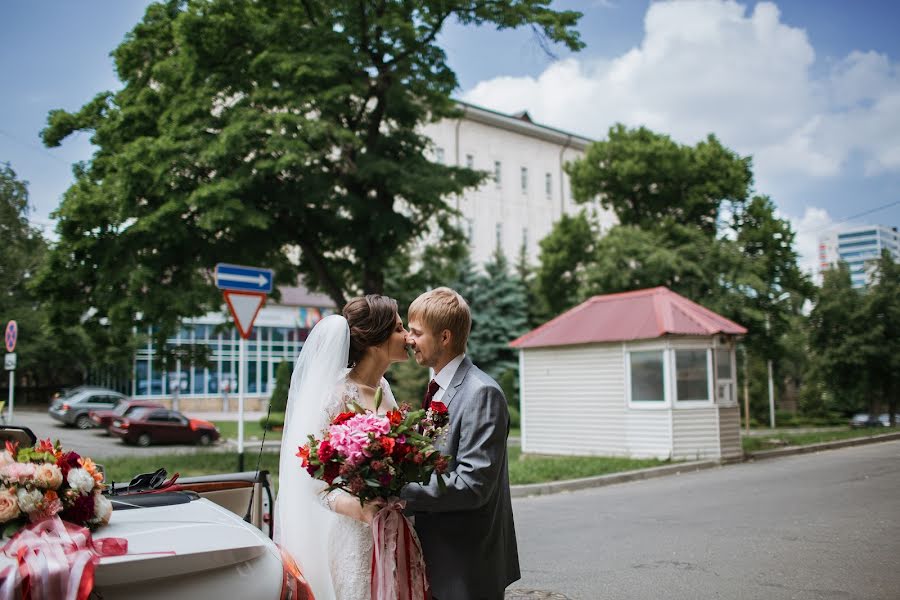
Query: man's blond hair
443, 308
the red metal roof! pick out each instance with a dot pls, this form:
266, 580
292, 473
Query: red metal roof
638, 315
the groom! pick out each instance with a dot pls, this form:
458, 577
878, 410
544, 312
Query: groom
466, 531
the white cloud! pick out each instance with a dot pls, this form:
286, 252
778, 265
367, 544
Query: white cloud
814, 222
716, 66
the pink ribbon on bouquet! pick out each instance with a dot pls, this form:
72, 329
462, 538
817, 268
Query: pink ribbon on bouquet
398, 568
55, 559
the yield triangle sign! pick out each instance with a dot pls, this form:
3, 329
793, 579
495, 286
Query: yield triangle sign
244, 308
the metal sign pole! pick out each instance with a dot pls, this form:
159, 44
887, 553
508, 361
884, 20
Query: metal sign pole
241, 387
12, 383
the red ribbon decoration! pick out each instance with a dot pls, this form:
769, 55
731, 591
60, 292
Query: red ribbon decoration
398, 568
56, 561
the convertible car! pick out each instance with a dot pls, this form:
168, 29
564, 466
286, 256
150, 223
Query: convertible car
188, 539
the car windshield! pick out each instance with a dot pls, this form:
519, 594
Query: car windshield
139, 412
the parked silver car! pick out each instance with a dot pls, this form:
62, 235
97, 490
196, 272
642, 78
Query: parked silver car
75, 406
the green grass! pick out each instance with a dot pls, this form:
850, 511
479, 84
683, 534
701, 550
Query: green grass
515, 432
252, 430
204, 462
533, 468
782, 439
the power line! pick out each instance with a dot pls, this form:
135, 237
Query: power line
856, 216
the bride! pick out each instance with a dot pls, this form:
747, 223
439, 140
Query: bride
343, 360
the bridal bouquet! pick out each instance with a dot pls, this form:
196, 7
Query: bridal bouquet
45, 481
374, 456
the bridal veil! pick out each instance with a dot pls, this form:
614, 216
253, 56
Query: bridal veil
302, 522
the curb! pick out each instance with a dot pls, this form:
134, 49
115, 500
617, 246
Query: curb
874, 439
569, 485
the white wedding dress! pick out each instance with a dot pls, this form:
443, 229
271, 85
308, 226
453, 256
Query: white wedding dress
334, 552
350, 542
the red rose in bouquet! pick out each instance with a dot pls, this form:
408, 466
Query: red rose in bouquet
374, 456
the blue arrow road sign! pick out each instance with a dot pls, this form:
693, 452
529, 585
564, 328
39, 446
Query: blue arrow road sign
248, 279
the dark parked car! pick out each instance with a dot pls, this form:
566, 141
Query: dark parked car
75, 406
147, 426
104, 418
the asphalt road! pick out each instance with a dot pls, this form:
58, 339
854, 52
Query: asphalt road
93, 442
814, 526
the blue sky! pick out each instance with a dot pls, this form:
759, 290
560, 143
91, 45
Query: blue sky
810, 88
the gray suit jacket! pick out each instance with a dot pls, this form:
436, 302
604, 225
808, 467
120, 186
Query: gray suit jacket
467, 531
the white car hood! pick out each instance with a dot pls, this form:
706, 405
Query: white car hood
165, 541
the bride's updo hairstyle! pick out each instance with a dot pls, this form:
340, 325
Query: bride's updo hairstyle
372, 319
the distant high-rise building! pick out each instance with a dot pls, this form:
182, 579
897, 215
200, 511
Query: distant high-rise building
856, 246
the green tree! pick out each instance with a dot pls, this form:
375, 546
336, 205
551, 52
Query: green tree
565, 253
880, 342
650, 181
43, 360
246, 131
278, 402
498, 317
837, 329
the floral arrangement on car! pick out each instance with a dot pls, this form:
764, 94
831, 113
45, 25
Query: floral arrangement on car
45, 481
372, 456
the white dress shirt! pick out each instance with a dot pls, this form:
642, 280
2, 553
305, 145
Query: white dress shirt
445, 376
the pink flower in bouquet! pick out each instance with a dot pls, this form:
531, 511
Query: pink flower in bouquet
17, 472
6, 458
351, 437
48, 476
9, 505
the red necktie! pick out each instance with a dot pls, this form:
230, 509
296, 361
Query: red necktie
433, 387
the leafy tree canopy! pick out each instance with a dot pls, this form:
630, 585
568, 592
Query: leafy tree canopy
649, 180
248, 130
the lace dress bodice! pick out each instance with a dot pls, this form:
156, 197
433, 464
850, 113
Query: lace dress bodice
350, 544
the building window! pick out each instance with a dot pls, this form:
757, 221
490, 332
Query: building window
470, 161
471, 231
691, 376
524, 180
497, 169
646, 376
548, 185
525, 238
439, 155
499, 233
723, 364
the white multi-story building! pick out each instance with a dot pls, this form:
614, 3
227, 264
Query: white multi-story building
527, 190
857, 246
526, 193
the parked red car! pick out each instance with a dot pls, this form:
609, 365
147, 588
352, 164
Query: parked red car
147, 426
104, 418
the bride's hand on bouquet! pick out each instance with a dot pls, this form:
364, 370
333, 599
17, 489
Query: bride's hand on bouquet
370, 509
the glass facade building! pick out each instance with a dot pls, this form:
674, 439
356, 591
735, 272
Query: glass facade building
857, 246
278, 335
